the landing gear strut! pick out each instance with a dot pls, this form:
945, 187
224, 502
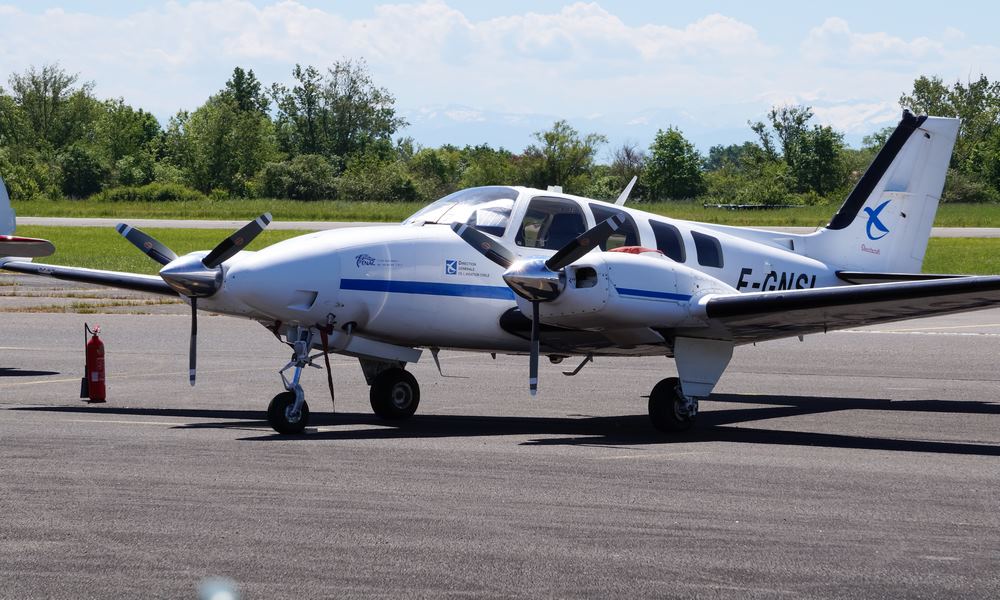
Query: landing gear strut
288, 412
669, 409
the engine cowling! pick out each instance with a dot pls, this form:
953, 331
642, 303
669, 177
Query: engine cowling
612, 290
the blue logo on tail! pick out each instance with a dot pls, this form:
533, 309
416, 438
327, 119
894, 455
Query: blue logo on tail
873, 221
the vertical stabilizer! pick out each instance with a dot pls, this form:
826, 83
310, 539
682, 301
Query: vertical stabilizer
886, 221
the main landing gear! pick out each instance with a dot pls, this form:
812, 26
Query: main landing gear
669, 410
394, 392
673, 403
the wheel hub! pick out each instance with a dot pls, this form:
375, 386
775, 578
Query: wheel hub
401, 395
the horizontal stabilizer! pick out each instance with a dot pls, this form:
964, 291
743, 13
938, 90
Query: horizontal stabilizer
12, 245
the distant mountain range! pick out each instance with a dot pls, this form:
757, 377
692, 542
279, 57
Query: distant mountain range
456, 124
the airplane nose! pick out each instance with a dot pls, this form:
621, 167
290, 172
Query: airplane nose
299, 290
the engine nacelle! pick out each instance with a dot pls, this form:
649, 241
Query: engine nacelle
613, 290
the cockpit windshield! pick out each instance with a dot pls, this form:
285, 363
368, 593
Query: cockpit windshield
485, 208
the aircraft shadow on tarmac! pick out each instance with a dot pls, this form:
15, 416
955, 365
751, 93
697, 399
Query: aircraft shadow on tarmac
713, 425
15, 372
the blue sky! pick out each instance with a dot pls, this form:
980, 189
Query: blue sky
473, 72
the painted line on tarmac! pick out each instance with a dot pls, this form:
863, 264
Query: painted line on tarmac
125, 422
119, 377
927, 329
921, 332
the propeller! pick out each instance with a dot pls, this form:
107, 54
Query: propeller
147, 243
192, 276
534, 279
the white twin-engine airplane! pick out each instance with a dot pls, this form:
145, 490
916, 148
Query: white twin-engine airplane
513, 270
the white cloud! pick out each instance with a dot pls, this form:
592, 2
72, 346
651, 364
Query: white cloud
579, 60
835, 42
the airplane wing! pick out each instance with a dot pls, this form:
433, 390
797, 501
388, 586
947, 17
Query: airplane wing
128, 281
761, 316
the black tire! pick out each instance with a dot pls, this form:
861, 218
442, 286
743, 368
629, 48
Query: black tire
394, 394
277, 414
664, 407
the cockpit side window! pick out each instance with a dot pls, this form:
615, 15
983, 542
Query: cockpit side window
550, 223
484, 208
626, 234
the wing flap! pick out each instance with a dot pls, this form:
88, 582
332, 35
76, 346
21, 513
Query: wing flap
859, 277
127, 281
761, 316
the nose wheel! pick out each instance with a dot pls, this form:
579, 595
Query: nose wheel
394, 394
283, 416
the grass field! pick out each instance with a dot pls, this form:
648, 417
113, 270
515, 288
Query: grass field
103, 248
949, 215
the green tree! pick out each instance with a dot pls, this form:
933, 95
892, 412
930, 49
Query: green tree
220, 146
813, 154
673, 169
336, 114
304, 177
83, 171
487, 166
55, 111
244, 89
561, 158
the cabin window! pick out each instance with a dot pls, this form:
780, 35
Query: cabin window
709, 250
550, 223
626, 234
669, 240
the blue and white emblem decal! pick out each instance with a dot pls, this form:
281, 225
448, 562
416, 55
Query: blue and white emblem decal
450, 267
874, 221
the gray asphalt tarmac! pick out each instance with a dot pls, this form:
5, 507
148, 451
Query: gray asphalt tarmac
977, 232
862, 464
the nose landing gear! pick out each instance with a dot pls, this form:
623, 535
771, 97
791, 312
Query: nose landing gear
288, 412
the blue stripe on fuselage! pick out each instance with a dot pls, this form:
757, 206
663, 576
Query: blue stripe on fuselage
651, 295
428, 288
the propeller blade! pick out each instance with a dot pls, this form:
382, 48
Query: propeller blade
587, 241
234, 243
487, 246
147, 243
533, 361
193, 351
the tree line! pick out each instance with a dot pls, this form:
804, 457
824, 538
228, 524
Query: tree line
333, 133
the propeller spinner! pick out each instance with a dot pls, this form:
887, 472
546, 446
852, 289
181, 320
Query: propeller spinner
191, 275
534, 279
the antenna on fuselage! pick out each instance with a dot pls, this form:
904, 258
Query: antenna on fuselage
628, 190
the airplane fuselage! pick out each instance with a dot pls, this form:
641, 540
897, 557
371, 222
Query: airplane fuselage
418, 284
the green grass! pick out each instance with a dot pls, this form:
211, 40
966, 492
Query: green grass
103, 248
972, 256
284, 210
949, 215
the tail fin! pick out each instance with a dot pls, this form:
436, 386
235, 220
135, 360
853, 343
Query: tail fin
7, 221
886, 221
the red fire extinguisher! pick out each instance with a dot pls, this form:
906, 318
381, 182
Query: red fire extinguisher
92, 385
